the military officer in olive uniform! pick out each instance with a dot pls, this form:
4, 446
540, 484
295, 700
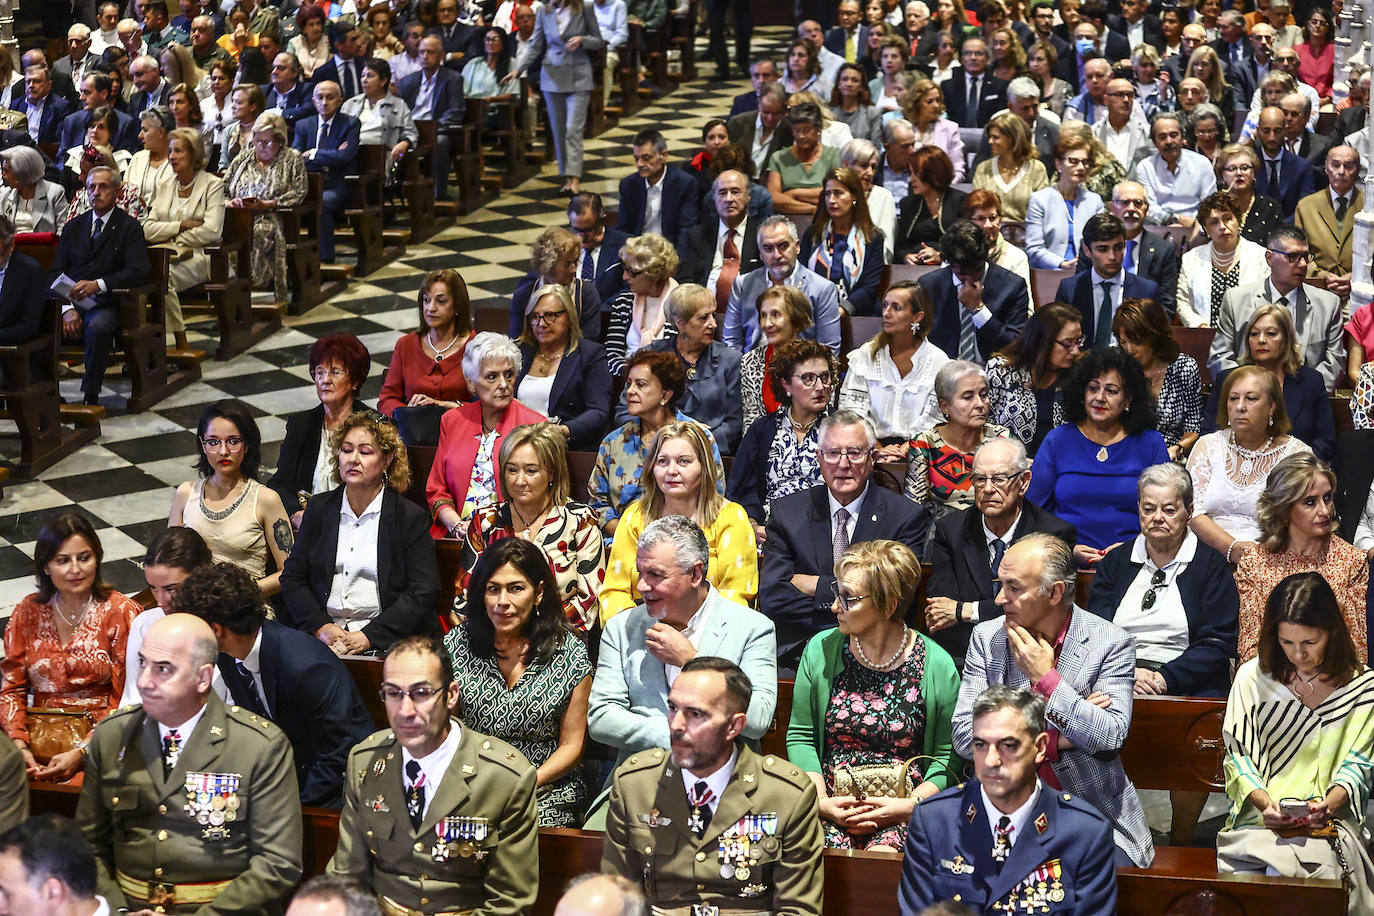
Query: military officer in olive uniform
1007, 843
711, 823
190, 806
437, 818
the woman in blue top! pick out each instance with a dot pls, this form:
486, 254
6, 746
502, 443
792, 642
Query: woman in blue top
1085, 471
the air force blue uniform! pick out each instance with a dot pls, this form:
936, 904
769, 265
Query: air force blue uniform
1062, 860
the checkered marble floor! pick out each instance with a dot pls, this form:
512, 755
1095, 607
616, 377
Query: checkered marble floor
124, 480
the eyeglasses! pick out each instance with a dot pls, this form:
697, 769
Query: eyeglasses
545, 318
994, 480
419, 694
1238, 167
1070, 343
1293, 257
846, 602
855, 455
233, 443
1075, 161
323, 372
1156, 583
633, 271
814, 379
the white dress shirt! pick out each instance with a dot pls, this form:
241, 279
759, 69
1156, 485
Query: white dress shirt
653, 203
252, 662
984, 314
695, 627
718, 259
855, 508
1118, 288
1161, 633
1018, 817
1176, 193
716, 782
992, 539
759, 152
354, 598
433, 765
184, 731
898, 405
1118, 142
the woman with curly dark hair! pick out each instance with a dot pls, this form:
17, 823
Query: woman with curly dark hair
1086, 470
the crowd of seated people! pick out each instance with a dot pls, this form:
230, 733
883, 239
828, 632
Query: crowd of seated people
741, 435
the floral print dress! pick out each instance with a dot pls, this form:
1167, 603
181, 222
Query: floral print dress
874, 718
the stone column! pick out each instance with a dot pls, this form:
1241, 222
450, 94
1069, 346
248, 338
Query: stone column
1362, 286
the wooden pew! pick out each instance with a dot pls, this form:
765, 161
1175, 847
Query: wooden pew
511, 143
228, 293
301, 231
682, 38
1197, 343
1045, 283
367, 674
364, 211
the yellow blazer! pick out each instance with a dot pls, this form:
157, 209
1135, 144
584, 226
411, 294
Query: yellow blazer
162, 227
1332, 243
734, 567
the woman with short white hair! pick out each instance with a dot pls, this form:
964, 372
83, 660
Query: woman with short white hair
31, 202
861, 155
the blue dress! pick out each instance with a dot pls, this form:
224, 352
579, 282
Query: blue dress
1096, 496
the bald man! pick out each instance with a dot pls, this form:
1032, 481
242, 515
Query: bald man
190, 806
1328, 218
1283, 174
601, 895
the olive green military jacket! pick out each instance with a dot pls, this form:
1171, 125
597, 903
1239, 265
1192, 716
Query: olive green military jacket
14, 787
496, 874
137, 821
768, 802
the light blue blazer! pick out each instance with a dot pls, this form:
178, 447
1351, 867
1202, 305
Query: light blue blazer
629, 699
1047, 225
741, 329
564, 70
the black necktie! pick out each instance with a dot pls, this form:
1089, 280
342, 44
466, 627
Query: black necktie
1274, 177
972, 114
95, 228
1103, 337
415, 794
1341, 207
255, 698
171, 751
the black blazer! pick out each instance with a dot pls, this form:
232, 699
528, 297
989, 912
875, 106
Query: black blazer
1004, 294
1297, 177
1078, 292
610, 273
581, 393
1153, 33
678, 207
1211, 604
1305, 399
299, 452
700, 249
1314, 148
55, 110
21, 308
294, 105
960, 567
1157, 260
588, 307
992, 98
744, 102
916, 227
449, 101
740, 127
408, 573
863, 297
119, 256
73, 131
799, 541
835, 39
314, 700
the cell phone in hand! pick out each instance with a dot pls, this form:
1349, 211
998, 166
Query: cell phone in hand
1294, 809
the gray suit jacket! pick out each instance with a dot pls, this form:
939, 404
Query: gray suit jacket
564, 70
742, 319
1097, 656
1141, 144
1323, 343
629, 699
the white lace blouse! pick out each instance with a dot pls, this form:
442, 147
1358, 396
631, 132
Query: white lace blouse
1227, 483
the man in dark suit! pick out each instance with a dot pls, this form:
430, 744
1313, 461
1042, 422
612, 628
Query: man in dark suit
62, 86
761, 72
706, 258
968, 545
79, 59
101, 250
849, 39
1354, 117
151, 88
1232, 46
1148, 254
657, 198
284, 675
979, 307
972, 94
44, 108
1097, 293
1110, 44
1042, 29
766, 121
288, 92
600, 260
808, 531
1312, 147
329, 142
97, 90
345, 68
23, 290
461, 41
1193, 37
1283, 174
1137, 26
435, 93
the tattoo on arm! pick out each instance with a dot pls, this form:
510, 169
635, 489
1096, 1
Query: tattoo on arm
281, 532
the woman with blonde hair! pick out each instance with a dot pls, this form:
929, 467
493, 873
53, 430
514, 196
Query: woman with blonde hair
179, 67
563, 375
637, 316
843, 245
680, 479
1205, 65
1014, 171
923, 105
1105, 171
554, 258
1008, 55
1041, 59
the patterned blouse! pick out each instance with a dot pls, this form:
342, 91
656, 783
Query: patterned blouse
754, 385
1259, 572
1013, 402
569, 537
1222, 283
793, 466
1180, 400
938, 475
1362, 401
482, 489
87, 674
614, 484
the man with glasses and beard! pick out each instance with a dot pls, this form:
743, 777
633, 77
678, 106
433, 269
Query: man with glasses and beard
436, 816
710, 824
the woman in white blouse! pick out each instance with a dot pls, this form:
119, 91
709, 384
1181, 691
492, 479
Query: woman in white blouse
185, 213
32, 203
891, 378
311, 45
216, 108
149, 165
384, 118
862, 156
1208, 272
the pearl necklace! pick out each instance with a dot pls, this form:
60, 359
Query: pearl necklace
1223, 262
438, 352
907, 640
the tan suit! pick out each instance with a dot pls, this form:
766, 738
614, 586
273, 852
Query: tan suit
162, 228
648, 839
1332, 243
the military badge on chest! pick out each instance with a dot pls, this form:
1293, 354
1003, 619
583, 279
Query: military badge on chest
459, 836
741, 846
1036, 892
212, 801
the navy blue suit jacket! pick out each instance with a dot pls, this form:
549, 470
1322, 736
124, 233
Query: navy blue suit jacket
1078, 292
581, 394
992, 98
610, 273
1295, 174
139, 100
337, 156
295, 105
449, 102
329, 72
314, 700
55, 110
745, 101
465, 38
835, 37
952, 830
73, 131
679, 205
119, 256
1004, 294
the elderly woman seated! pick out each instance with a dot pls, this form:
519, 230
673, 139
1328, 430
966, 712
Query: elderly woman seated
267, 176
637, 317
363, 575
149, 165
247, 103
384, 118
795, 172
873, 668
1297, 534
466, 475
185, 215
554, 258
31, 202
563, 375
1298, 727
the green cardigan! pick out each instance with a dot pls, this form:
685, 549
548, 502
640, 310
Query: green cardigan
820, 663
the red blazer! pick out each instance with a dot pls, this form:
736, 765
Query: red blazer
451, 472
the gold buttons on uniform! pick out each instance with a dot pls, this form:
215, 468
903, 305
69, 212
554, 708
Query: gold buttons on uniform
369, 833
958, 897
424, 901
157, 872
769, 760
648, 850
701, 857
419, 847
115, 800
700, 888
162, 835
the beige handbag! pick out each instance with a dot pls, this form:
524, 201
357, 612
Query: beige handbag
878, 780
56, 731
